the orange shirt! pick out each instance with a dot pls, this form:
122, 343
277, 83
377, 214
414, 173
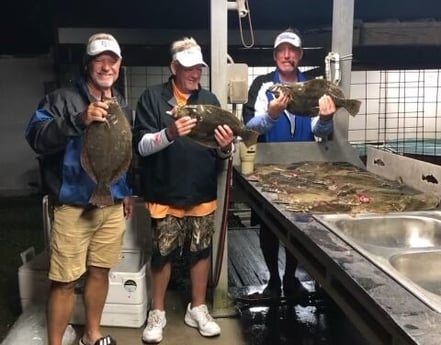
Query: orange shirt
181, 98
159, 210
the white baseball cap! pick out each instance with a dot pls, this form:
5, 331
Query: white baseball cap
102, 42
190, 57
288, 37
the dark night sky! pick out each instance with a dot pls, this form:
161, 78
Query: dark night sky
28, 26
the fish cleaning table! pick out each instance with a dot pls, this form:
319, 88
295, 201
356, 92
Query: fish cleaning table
383, 310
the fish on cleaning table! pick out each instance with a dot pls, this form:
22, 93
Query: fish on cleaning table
337, 187
209, 117
107, 152
304, 96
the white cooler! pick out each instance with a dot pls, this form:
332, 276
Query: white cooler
127, 300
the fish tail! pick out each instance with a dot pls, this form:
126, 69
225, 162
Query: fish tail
102, 197
352, 106
249, 137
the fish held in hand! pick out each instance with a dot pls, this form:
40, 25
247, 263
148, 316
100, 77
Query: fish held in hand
107, 152
304, 96
209, 117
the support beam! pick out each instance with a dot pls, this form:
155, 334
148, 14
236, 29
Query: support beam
218, 82
342, 33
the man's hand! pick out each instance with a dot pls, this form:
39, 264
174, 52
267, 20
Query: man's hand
224, 137
326, 107
96, 111
180, 127
128, 205
277, 105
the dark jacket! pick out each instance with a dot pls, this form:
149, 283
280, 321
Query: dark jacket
184, 174
55, 133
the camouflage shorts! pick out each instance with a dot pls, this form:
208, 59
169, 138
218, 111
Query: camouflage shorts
172, 232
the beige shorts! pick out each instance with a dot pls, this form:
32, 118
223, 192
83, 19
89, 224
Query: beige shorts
85, 237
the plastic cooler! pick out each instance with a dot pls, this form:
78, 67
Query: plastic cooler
127, 299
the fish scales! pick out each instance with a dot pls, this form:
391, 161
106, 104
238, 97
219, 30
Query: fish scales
304, 96
107, 152
209, 117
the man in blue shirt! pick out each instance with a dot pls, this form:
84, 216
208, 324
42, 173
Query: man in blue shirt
85, 237
267, 114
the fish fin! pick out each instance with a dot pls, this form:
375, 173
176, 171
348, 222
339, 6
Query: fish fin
85, 163
101, 200
102, 196
249, 137
352, 106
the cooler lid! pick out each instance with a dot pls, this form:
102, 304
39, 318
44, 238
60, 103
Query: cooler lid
39, 262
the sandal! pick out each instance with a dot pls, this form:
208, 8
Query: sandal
106, 340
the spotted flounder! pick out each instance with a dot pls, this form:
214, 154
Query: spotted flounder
107, 152
304, 96
209, 117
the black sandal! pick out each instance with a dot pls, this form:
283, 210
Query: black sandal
106, 340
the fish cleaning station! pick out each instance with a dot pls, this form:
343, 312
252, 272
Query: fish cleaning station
363, 221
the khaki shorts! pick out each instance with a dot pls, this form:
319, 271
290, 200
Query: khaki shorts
172, 232
85, 237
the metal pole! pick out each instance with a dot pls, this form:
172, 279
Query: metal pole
218, 82
342, 33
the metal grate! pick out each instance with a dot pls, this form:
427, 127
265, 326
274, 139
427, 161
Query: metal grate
399, 111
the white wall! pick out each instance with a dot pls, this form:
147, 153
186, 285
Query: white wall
21, 85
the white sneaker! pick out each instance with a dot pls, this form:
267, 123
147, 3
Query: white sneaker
198, 317
155, 323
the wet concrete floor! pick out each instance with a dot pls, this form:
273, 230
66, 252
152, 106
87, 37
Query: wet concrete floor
320, 321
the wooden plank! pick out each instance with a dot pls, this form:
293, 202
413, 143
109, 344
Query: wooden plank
245, 258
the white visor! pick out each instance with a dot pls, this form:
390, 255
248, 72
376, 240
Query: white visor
190, 57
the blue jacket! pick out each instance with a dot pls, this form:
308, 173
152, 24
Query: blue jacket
288, 127
55, 132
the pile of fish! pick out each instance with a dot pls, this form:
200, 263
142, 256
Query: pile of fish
304, 96
337, 187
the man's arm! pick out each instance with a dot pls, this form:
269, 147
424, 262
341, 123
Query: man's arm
52, 124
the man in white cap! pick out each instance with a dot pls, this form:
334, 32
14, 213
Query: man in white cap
267, 114
180, 179
86, 239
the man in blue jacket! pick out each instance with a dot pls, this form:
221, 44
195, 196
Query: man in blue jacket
267, 114
84, 237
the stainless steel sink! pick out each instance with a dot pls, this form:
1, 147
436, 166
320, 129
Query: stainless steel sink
396, 231
423, 268
405, 245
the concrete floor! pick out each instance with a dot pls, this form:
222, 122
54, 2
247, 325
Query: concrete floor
319, 323
177, 332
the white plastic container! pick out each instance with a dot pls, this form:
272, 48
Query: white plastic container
33, 282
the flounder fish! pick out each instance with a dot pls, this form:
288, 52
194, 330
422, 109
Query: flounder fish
208, 118
107, 152
304, 96
337, 187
